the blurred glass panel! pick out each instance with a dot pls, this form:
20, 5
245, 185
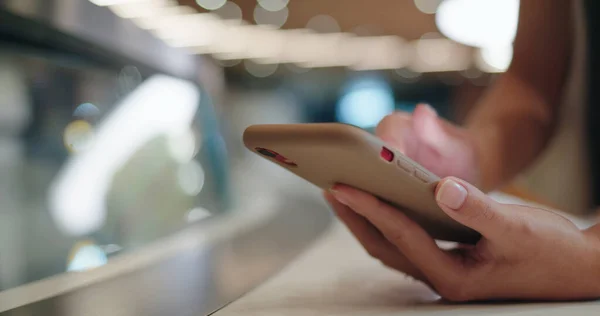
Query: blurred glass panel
54, 111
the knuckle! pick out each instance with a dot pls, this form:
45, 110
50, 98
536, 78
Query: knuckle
400, 232
374, 252
481, 211
524, 227
397, 237
367, 202
392, 120
487, 212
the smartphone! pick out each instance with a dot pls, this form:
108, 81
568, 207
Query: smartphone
325, 154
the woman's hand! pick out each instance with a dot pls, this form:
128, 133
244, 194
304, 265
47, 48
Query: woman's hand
524, 253
439, 146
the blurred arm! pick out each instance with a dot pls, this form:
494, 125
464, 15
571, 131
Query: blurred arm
516, 118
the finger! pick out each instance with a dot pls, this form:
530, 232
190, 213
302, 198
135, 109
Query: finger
395, 129
425, 123
467, 205
437, 265
373, 241
438, 134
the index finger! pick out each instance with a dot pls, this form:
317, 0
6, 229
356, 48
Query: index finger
394, 128
437, 265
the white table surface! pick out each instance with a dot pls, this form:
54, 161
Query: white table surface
336, 277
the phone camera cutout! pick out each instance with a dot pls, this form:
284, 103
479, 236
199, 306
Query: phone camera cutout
386, 154
275, 155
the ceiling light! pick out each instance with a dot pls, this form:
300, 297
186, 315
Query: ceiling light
479, 23
277, 18
197, 30
381, 52
230, 11
297, 69
232, 43
229, 62
439, 54
211, 4
146, 9
273, 5
296, 48
259, 70
115, 2
323, 24
494, 59
427, 6
325, 50
408, 76
264, 44
162, 16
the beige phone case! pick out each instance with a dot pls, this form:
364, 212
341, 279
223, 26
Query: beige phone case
329, 153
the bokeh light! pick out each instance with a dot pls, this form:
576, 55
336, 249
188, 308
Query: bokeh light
141, 9
407, 76
196, 214
451, 78
479, 23
128, 79
211, 4
115, 2
471, 73
182, 146
297, 69
323, 24
86, 111
228, 62
428, 6
190, 177
264, 44
230, 12
362, 30
78, 136
277, 18
273, 5
111, 248
433, 49
365, 103
86, 255
260, 70
379, 52
495, 59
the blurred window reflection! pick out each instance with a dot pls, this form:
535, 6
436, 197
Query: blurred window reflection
52, 110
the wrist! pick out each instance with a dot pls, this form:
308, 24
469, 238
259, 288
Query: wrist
592, 234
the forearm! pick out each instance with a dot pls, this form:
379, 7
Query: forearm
515, 120
510, 127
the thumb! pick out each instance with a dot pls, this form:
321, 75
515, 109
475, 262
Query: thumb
467, 205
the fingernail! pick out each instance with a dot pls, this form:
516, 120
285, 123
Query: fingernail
340, 196
451, 194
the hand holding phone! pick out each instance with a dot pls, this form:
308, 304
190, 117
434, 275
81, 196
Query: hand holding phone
328, 154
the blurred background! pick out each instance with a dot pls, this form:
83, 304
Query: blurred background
121, 120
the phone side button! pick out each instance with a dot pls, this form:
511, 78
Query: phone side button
404, 165
421, 175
